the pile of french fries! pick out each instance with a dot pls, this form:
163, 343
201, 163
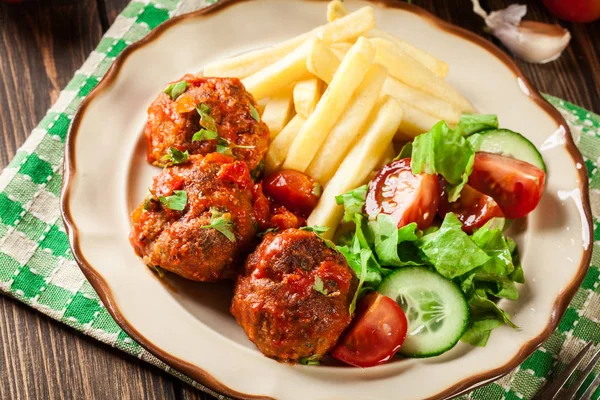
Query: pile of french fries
335, 98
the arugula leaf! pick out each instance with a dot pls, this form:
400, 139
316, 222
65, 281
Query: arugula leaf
474, 123
353, 202
176, 201
204, 134
388, 237
480, 328
312, 360
263, 233
254, 113
315, 228
174, 90
445, 152
175, 156
206, 119
450, 250
318, 286
221, 221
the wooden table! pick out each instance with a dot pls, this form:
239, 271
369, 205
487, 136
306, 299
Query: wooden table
42, 43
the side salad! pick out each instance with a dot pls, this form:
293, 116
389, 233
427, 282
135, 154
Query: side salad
429, 237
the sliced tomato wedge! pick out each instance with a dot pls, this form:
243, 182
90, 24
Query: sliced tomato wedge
395, 191
294, 190
472, 208
376, 333
515, 185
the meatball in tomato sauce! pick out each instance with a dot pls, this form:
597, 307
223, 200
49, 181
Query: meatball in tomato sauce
205, 115
198, 220
293, 299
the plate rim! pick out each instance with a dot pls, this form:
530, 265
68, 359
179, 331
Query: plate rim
200, 375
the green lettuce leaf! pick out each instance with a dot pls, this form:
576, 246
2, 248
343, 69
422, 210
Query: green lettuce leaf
353, 202
387, 238
517, 275
490, 239
474, 123
450, 250
480, 328
445, 152
479, 303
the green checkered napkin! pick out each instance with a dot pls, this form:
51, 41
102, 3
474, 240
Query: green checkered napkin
37, 267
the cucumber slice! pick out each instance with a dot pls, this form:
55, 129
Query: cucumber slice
508, 143
436, 310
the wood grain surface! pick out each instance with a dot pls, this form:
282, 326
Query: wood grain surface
42, 43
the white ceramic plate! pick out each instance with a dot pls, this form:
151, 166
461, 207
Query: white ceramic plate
188, 325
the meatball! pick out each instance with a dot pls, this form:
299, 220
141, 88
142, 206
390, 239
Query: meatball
293, 299
204, 237
174, 118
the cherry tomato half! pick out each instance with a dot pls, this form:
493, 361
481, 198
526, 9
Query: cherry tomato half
516, 186
294, 190
472, 208
574, 10
375, 334
406, 197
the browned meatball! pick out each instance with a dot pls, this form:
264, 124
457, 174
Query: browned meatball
173, 122
293, 300
204, 237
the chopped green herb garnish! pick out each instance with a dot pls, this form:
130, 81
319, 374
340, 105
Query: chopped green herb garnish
254, 113
315, 228
353, 202
174, 90
175, 156
204, 134
263, 233
312, 360
206, 119
159, 271
223, 147
318, 286
221, 222
176, 201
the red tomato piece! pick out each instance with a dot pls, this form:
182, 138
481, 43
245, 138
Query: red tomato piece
395, 191
473, 208
515, 185
262, 207
294, 190
236, 172
574, 10
375, 334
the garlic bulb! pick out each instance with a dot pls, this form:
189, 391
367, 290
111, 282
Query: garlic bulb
534, 42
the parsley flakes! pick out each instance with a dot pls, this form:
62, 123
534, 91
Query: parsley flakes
204, 134
318, 286
206, 119
175, 156
176, 201
174, 90
221, 222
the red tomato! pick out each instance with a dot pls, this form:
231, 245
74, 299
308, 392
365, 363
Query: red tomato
473, 208
574, 10
294, 190
375, 334
406, 197
516, 186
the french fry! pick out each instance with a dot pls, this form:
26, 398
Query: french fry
435, 65
408, 70
280, 74
340, 49
306, 96
388, 155
422, 101
358, 164
249, 63
336, 10
322, 62
348, 127
278, 111
349, 26
414, 123
346, 79
279, 147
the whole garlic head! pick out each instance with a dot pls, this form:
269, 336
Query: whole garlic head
534, 42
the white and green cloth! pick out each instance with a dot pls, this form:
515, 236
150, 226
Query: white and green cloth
37, 267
